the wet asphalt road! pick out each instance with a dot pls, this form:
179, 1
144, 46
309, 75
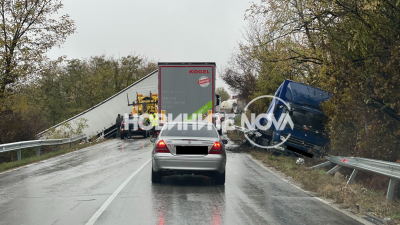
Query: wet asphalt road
70, 189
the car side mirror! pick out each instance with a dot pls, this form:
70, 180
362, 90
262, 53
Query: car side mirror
224, 141
153, 139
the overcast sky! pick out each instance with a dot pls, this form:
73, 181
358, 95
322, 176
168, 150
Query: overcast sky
163, 30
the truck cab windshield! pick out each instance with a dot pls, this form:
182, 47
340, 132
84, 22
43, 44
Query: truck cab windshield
308, 120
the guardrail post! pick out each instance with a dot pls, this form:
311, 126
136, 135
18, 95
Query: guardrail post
19, 154
56, 148
334, 169
321, 165
353, 175
38, 151
390, 191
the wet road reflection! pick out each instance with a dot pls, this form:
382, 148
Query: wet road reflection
70, 189
58, 190
186, 199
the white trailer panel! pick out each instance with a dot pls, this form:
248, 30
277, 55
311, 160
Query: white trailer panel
104, 114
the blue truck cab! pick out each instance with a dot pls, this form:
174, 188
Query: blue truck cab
307, 136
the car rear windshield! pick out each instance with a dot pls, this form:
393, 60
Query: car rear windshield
191, 131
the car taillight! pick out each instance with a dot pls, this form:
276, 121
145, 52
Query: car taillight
162, 147
216, 149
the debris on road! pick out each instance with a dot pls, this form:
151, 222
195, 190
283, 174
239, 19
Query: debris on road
300, 161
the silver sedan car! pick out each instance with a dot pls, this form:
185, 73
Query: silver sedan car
189, 148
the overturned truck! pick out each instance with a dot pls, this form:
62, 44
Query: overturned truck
294, 121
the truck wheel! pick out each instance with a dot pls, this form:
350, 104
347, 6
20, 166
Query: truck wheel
155, 177
220, 178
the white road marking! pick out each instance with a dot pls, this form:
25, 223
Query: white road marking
355, 217
96, 216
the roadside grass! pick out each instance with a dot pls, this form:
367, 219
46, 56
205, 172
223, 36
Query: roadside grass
29, 155
325, 185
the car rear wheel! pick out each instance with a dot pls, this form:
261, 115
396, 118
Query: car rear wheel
220, 178
155, 177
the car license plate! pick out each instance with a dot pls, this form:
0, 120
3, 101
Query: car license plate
191, 150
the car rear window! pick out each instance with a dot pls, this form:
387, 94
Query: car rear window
191, 131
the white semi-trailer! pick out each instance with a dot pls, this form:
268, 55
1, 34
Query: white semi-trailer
186, 90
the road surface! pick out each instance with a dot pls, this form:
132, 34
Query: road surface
110, 183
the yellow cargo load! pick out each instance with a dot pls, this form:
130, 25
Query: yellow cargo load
145, 104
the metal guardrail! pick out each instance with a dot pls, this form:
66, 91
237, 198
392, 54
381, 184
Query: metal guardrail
37, 143
388, 169
102, 135
112, 131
